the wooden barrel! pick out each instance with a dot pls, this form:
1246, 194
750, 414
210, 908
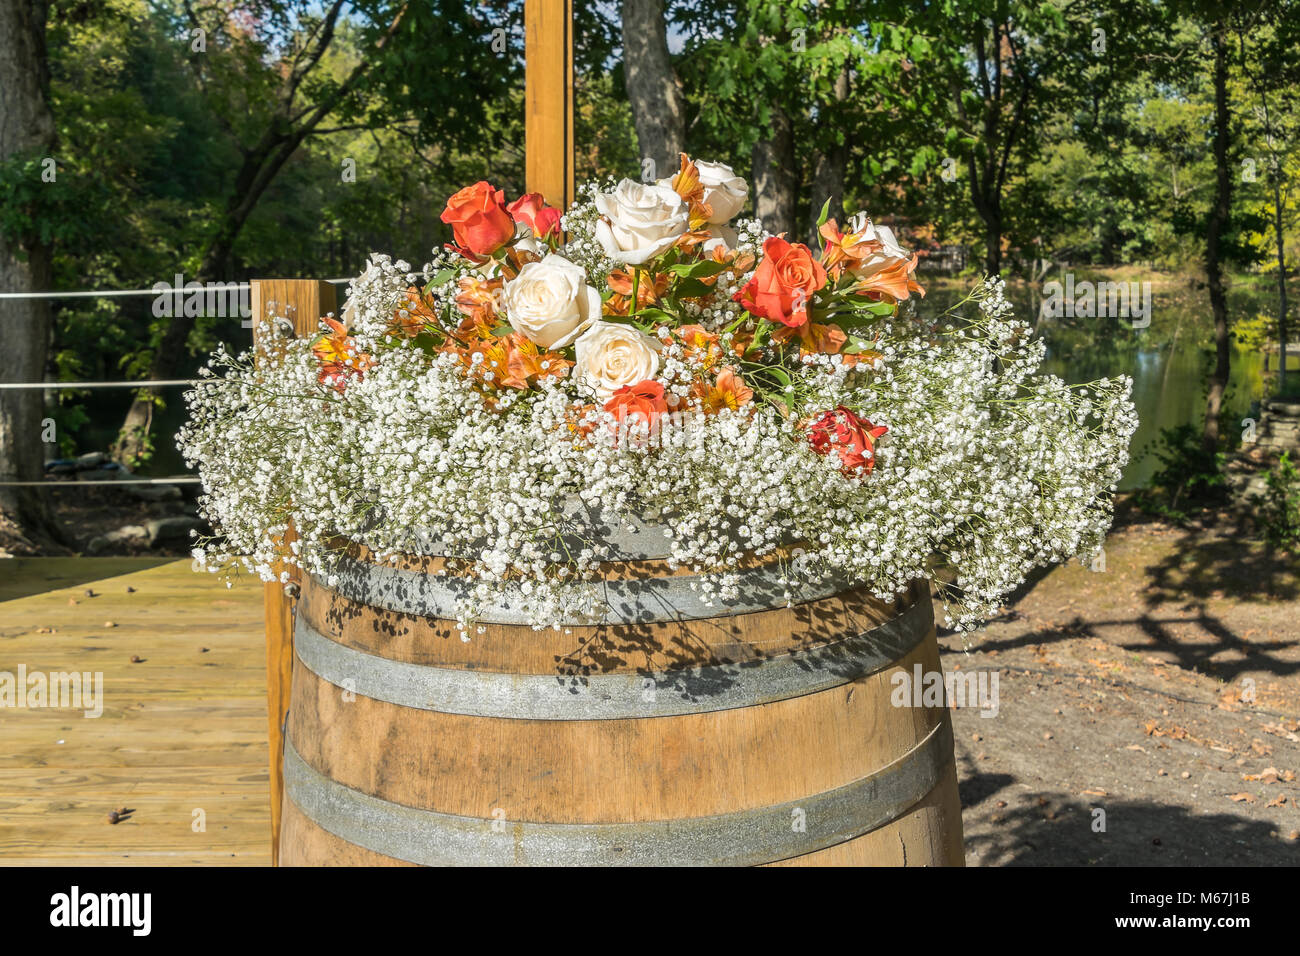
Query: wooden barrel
677, 734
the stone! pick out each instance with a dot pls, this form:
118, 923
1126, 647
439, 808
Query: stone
126, 533
173, 531
92, 459
154, 492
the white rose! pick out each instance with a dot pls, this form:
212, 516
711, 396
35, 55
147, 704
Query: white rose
641, 221
724, 191
550, 302
610, 356
863, 226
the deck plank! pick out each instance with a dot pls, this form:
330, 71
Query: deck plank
182, 729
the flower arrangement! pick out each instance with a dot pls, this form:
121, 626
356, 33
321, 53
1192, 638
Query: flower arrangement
645, 356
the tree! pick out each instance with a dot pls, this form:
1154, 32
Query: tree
1272, 71
295, 109
652, 85
1216, 227
27, 137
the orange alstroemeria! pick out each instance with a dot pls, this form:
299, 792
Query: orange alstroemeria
338, 356
479, 299
508, 361
813, 337
843, 250
411, 317
700, 344
892, 282
686, 183
727, 391
879, 267
647, 292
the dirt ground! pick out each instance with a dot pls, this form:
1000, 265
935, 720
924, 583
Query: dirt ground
1163, 691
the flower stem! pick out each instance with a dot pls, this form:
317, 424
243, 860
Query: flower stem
636, 283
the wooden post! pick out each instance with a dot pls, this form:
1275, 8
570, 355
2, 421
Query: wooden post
302, 302
548, 99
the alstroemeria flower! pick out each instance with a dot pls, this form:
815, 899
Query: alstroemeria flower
339, 357
872, 255
508, 361
727, 391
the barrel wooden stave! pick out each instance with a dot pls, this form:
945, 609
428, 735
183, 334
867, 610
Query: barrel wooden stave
628, 772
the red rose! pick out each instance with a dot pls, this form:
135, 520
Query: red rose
783, 284
643, 401
479, 220
531, 210
853, 438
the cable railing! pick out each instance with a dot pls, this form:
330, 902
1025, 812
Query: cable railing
111, 293
55, 482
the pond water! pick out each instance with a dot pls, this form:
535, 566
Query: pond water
1169, 362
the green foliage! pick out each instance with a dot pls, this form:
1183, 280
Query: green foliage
1279, 507
1188, 480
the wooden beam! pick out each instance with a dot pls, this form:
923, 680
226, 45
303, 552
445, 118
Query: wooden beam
302, 302
548, 99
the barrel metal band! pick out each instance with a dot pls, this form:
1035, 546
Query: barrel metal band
744, 838
627, 600
613, 696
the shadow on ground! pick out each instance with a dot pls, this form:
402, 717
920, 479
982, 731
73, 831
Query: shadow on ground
23, 577
1049, 829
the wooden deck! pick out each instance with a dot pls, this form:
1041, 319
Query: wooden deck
184, 729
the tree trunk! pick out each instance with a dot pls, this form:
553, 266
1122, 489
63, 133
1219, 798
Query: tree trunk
829, 167
993, 239
1217, 225
653, 88
26, 127
776, 178
1281, 278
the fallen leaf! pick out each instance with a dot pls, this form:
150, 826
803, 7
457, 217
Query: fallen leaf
1239, 797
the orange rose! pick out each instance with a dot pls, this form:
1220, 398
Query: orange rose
479, 220
783, 284
531, 210
643, 402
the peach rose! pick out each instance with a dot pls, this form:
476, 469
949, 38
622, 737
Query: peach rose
783, 284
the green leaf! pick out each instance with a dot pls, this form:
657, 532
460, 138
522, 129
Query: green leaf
824, 214
690, 288
653, 315
698, 270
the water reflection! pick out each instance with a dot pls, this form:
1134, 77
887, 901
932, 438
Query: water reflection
1169, 362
